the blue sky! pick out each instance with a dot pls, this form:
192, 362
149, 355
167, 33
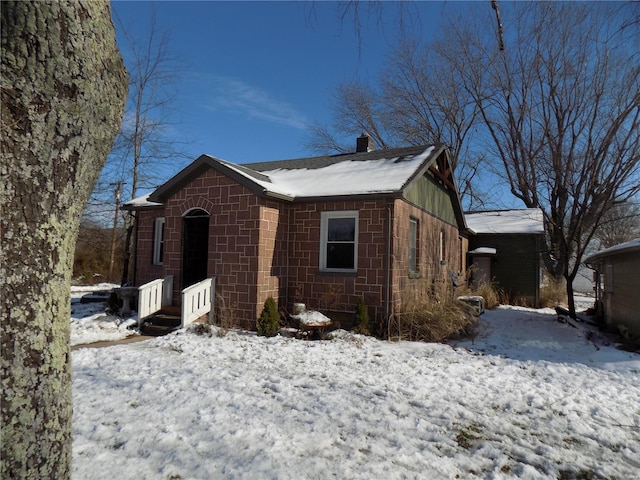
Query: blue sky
254, 75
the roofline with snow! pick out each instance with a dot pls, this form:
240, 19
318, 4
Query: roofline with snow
505, 210
621, 249
200, 165
251, 176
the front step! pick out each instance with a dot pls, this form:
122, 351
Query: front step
160, 324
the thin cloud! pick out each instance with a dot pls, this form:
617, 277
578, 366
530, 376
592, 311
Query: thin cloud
232, 95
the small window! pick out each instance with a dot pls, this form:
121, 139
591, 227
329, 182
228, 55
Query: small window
442, 248
608, 278
339, 241
158, 241
413, 245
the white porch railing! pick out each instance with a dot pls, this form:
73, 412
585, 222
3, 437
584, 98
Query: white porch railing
167, 290
197, 300
153, 296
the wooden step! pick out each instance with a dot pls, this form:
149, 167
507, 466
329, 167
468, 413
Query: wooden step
156, 330
163, 320
160, 324
171, 310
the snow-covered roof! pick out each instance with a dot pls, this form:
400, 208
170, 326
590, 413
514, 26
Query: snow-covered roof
484, 251
363, 173
522, 221
141, 202
349, 177
627, 247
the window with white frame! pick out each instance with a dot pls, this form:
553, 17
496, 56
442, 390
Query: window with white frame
413, 245
442, 248
158, 241
339, 241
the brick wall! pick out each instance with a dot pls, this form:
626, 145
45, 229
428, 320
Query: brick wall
260, 248
273, 254
431, 272
334, 291
145, 270
235, 215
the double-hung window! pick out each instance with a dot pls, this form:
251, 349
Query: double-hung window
339, 241
158, 240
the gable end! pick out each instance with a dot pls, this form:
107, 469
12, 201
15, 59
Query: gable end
238, 173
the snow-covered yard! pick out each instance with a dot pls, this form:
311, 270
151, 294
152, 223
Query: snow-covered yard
530, 398
90, 323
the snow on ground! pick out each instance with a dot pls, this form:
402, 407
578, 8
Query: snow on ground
90, 323
529, 398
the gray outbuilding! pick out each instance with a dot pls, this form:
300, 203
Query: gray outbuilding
617, 285
505, 248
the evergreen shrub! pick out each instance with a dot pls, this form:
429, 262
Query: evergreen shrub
269, 322
362, 319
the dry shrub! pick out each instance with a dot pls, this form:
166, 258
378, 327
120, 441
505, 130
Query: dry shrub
430, 320
552, 293
92, 255
330, 300
225, 314
492, 295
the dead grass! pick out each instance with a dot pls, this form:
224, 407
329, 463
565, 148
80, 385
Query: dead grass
492, 295
553, 293
430, 319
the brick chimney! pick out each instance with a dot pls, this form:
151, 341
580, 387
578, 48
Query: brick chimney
364, 143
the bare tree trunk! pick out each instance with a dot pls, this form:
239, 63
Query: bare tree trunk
63, 92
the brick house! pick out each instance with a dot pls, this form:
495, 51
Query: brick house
325, 231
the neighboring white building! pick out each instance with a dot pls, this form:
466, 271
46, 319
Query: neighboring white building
617, 286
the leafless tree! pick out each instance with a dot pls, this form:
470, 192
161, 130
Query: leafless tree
619, 224
417, 102
550, 91
144, 145
562, 106
63, 92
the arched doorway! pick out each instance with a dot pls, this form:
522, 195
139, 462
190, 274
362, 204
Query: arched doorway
195, 246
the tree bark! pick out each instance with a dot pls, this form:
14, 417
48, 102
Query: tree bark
63, 91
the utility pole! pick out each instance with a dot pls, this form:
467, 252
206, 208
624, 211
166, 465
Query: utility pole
114, 232
494, 5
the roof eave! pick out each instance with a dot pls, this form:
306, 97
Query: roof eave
345, 197
135, 208
277, 195
202, 163
597, 258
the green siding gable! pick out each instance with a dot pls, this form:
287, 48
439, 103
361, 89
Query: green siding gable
425, 192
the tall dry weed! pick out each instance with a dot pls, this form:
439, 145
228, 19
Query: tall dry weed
226, 314
430, 319
492, 295
553, 293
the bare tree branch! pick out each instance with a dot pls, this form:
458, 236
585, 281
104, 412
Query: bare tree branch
562, 110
